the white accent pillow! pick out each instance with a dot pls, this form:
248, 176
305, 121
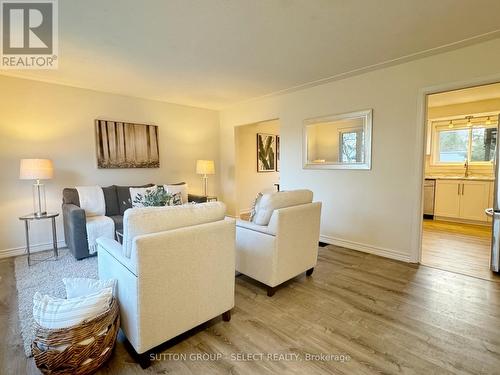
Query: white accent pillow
80, 286
178, 188
53, 313
135, 191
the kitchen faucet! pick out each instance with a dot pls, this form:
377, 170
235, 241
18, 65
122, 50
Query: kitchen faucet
466, 166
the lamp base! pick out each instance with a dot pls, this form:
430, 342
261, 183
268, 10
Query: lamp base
39, 202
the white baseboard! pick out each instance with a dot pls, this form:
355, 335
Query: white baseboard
15, 251
380, 251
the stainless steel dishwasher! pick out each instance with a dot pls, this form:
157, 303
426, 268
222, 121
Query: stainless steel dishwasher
429, 190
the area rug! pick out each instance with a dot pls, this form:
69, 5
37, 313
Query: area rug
46, 278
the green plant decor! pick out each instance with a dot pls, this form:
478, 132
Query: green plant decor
157, 198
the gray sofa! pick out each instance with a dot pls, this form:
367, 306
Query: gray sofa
117, 200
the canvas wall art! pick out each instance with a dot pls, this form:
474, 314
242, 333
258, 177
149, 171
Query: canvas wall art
266, 152
277, 153
126, 145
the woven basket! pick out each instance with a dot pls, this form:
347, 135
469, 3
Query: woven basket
71, 359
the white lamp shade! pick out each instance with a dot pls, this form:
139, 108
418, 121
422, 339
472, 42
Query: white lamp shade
36, 169
205, 167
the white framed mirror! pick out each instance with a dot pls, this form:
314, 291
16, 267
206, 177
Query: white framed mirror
342, 141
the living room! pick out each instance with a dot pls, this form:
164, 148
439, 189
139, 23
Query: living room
232, 96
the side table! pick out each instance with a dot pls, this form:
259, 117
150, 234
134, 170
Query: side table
32, 217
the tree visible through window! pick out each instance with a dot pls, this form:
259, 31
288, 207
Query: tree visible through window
351, 146
473, 143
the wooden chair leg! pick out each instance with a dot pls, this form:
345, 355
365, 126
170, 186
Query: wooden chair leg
270, 291
310, 271
226, 316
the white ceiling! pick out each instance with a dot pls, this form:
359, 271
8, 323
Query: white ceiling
472, 94
213, 53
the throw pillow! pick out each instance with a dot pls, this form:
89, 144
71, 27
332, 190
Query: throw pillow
53, 313
173, 199
178, 188
255, 206
79, 286
142, 197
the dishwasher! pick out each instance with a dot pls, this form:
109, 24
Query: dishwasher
429, 190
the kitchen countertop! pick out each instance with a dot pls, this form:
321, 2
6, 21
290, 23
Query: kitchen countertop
473, 177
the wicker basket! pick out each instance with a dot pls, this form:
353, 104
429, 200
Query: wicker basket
71, 359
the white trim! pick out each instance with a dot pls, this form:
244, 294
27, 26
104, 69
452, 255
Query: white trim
16, 251
420, 147
380, 251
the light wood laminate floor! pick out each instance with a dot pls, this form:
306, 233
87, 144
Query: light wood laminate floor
457, 247
389, 317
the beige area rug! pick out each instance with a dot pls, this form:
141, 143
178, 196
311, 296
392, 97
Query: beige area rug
46, 278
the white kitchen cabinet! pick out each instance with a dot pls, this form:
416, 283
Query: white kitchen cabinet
463, 199
474, 200
447, 198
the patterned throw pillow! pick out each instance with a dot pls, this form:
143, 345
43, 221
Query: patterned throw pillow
174, 199
255, 206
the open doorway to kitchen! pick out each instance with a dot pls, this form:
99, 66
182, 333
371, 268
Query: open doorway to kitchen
257, 163
459, 184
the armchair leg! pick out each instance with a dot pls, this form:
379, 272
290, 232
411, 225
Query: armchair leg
144, 360
270, 291
310, 271
226, 316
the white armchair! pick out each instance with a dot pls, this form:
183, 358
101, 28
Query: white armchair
175, 270
281, 241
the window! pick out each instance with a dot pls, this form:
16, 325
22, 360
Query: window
455, 145
483, 145
351, 146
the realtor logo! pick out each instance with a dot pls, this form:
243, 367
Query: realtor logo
28, 34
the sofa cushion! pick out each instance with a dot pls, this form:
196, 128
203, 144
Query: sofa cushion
70, 196
123, 193
273, 201
111, 199
118, 220
139, 221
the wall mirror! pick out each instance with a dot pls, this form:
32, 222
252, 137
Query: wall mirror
338, 141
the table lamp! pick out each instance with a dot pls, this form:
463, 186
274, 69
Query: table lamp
205, 167
37, 169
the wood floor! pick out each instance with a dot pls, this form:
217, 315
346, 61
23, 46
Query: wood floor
386, 316
456, 247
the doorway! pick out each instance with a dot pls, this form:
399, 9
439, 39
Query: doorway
459, 179
257, 163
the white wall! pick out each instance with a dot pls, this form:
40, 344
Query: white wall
250, 182
39, 120
373, 210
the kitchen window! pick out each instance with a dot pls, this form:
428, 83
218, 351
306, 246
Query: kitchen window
454, 143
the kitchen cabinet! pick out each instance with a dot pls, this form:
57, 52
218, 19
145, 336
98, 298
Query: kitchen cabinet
463, 199
447, 199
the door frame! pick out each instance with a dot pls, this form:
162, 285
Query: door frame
420, 146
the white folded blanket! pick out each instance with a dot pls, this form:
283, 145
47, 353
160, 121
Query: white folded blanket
92, 201
99, 226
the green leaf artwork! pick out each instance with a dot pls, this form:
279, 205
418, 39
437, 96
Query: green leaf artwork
266, 156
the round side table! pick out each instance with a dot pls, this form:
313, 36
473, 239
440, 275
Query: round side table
32, 217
